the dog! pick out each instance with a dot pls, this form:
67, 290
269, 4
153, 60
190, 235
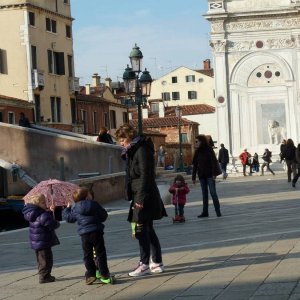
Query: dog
276, 133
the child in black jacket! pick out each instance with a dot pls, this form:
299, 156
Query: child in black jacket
89, 216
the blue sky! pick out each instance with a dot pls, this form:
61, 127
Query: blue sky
170, 33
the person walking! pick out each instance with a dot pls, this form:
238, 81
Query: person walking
23, 121
282, 149
297, 156
267, 160
104, 136
245, 158
206, 166
289, 156
146, 204
223, 159
161, 155
255, 163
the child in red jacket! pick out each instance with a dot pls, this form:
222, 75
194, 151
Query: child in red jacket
179, 189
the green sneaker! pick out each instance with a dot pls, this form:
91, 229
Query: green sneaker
98, 276
105, 280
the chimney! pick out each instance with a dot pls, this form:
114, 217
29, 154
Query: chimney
206, 64
145, 113
108, 82
87, 89
95, 80
161, 110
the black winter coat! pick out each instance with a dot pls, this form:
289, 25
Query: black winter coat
141, 185
205, 163
289, 152
88, 214
223, 156
41, 227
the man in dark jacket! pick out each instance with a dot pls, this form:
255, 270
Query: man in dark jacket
223, 159
289, 155
23, 121
142, 191
267, 160
89, 216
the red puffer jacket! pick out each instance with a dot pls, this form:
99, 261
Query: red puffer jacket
182, 191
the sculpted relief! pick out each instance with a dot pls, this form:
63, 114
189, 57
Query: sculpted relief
236, 5
263, 24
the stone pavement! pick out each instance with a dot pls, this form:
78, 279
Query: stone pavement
251, 252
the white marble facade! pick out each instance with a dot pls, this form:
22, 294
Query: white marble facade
256, 46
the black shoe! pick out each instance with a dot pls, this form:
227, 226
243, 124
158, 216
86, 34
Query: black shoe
203, 215
293, 184
219, 214
90, 280
47, 279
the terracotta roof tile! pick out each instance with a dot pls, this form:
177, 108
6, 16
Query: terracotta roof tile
207, 72
187, 110
162, 122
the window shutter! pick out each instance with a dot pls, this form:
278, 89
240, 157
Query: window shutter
1, 61
53, 26
50, 61
60, 63
48, 25
58, 109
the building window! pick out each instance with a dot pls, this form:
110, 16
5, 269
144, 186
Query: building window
174, 79
73, 111
184, 138
166, 96
192, 95
125, 117
66, 1
11, 117
50, 25
33, 57
113, 120
95, 123
31, 16
84, 120
1, 116
190, 78
105, 120
37, 105
3, 62
70, 65
56, 62
55, 109
68, 31
175, 96
154, 107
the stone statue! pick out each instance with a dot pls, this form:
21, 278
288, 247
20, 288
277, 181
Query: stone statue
276, 133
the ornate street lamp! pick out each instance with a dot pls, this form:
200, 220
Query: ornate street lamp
140, 88
178, 111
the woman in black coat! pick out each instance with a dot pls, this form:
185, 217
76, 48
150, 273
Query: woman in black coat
146, 204
205, 164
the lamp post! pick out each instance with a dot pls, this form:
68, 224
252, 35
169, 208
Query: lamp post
178, 111
136, 86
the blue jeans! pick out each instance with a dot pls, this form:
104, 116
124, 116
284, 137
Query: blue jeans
211, 184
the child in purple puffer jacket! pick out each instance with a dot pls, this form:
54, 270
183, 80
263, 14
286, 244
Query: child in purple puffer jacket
42, 235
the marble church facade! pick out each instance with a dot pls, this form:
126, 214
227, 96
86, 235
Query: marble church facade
256, 47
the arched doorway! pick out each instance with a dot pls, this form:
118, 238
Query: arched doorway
262, 97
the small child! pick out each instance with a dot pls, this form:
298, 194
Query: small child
42, 235
179, 189
89, 215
